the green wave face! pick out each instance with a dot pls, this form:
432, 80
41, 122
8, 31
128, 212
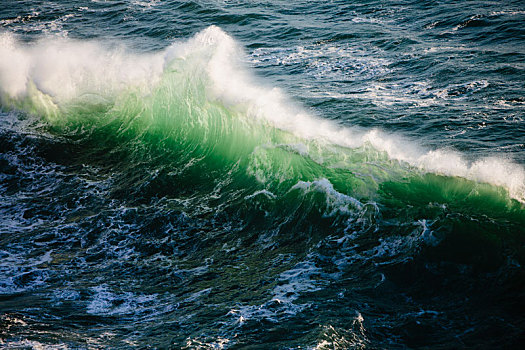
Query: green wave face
190, 126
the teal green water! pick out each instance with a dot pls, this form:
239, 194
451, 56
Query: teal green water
261, 175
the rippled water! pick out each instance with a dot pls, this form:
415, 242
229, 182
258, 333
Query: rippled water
271, 174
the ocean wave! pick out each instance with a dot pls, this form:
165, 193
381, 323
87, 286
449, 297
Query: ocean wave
200, 90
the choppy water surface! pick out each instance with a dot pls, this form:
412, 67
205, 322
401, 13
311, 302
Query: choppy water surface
270, 174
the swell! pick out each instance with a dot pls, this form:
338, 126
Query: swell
196, 105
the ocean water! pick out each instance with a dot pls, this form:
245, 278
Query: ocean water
262, 174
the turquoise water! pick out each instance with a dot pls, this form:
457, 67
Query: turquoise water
260, 175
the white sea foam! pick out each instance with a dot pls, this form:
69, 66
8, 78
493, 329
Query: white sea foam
207, 344
336, 202
145, 4
326, 60
508, 13
32, 344
293, 283
24, 274
106, 302
335, 338
266, 193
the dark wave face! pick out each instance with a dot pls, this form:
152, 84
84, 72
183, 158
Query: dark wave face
262, 175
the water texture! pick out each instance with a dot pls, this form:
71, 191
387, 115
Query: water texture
262, 175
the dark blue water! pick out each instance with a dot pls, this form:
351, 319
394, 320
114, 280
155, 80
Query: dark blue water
262, 175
